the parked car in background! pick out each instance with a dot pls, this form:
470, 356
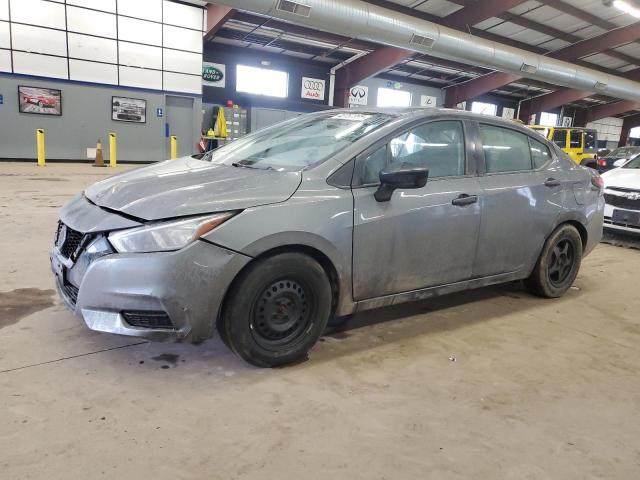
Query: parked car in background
581, 144
322, 216
617, 158
622, 197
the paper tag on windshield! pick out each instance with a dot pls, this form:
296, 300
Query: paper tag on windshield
354, 117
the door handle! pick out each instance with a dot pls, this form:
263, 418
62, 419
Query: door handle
552, 182
464, 200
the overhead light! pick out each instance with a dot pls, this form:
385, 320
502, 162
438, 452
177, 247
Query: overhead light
627, 8
265, 63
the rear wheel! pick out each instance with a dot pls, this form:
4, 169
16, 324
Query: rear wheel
277, 310
558, 265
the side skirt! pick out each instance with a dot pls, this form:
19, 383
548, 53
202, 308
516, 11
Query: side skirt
430, 292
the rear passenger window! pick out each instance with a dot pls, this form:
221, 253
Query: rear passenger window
438, 146
560, 138
540, 153
505, 150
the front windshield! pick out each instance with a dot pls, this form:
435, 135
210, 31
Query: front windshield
299, 143
635, 163
624, 152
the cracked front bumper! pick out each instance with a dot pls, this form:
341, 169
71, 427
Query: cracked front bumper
188, 285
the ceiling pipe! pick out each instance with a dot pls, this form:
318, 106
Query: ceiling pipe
369, 22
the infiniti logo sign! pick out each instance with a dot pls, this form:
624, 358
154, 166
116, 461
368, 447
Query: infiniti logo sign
358, 92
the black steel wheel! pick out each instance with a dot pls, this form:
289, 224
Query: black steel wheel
277, 309
559, 263
282, 313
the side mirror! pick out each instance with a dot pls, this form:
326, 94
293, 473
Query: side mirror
619, 163
405, 177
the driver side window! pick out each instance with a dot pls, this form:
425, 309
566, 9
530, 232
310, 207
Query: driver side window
438, 146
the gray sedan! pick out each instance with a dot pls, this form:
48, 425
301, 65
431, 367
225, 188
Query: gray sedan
268, 238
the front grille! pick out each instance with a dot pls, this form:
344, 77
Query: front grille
71, 243
148, 319
622, 202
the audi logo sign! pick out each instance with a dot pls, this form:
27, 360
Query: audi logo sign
313, 88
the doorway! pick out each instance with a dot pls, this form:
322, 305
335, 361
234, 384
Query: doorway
180, 123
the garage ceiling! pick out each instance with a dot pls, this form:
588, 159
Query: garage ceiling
541, 26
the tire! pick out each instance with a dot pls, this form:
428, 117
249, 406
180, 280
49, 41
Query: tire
277, 310
558, 265
590, 163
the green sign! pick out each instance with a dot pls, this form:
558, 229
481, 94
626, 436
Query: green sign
213, 74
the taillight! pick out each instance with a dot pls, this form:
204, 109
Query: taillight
597, 182
602, 162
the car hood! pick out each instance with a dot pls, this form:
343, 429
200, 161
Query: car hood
187, 186
622, 178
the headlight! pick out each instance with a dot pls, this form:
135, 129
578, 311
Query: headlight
166, 236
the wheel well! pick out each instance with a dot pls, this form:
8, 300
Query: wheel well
317, 255
581, 230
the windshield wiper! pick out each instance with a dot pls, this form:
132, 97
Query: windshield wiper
250, 164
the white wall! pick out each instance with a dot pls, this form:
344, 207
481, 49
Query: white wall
155, 44
416, 91
609, 129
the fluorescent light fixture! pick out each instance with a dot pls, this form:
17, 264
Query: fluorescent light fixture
627, 8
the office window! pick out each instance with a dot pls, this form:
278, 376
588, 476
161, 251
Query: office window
261, 81
635, 132
505, 150
388, 97
548, 119
484, 108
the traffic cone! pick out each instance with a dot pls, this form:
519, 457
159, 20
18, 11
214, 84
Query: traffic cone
99, 157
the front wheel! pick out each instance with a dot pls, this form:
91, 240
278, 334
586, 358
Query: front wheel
277, 310
558, 265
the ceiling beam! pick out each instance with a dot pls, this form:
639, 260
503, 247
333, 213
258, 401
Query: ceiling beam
560, 97
477, 12
579, 13
473, 88
614, 38
368, 66
304, 31
611, 110
217, 16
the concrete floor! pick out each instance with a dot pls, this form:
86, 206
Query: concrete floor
490, 384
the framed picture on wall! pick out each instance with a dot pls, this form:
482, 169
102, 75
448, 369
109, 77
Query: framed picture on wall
41, 101
128, 110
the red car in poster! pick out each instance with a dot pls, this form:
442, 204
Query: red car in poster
39, 100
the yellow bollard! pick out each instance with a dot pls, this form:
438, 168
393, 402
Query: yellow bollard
113, 150
174, 147
40, 146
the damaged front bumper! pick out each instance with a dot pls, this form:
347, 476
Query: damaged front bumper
158, 296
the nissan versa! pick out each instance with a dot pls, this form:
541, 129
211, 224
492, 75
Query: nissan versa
267, 238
